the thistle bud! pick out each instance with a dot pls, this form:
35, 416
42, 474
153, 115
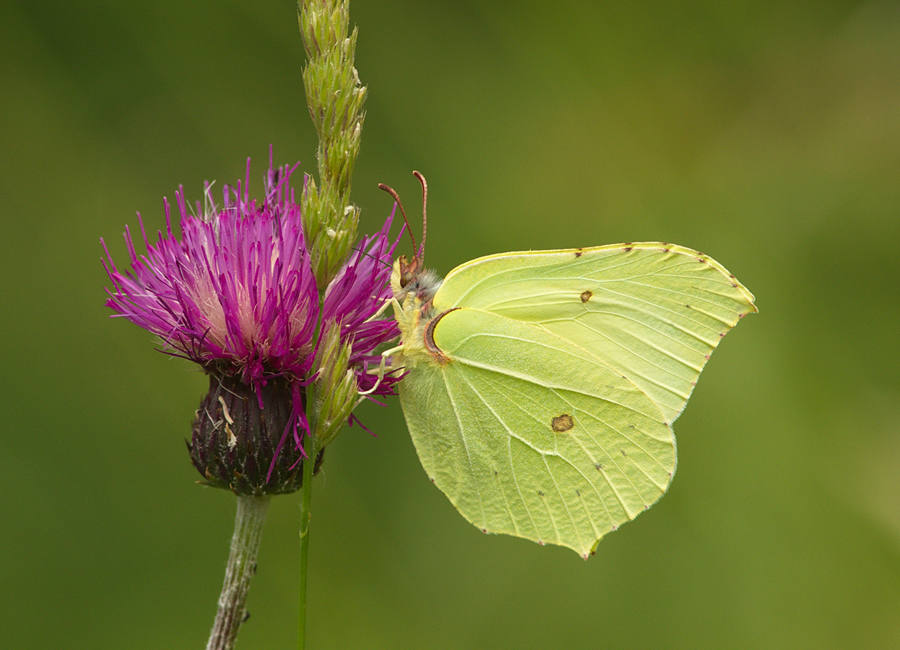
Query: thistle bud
336, 386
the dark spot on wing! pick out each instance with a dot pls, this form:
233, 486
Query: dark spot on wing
579, 252
540, 493
562, 423
586, 295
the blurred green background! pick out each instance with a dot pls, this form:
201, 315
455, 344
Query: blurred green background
765, 134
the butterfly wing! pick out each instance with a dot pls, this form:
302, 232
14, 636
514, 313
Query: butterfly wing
653, 311
530, 435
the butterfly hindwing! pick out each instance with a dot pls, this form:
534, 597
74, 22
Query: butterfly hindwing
533, 436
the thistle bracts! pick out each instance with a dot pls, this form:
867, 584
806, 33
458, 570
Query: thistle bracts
236, 434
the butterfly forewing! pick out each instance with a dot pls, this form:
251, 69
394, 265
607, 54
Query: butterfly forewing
655, 312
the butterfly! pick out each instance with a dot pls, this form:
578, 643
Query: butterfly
540, 387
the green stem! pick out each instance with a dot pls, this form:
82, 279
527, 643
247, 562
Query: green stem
309, 464
248, 525
335, 98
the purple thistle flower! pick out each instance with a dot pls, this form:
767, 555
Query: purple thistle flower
237, 295
355, 295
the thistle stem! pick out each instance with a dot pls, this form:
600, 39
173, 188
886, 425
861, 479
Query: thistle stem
248, 525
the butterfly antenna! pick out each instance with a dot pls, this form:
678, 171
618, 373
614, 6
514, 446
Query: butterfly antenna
390, 190
421, 178
374, 258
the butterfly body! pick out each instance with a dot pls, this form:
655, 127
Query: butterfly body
540, 387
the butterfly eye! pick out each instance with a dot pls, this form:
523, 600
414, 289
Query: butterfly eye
408, 271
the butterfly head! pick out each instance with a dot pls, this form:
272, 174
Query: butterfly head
409, 279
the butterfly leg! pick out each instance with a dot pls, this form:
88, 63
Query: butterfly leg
387, 354
380, 311
381, 372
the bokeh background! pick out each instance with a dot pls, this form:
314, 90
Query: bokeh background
766, 134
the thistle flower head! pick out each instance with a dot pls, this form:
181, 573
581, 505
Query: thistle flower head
236, 294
